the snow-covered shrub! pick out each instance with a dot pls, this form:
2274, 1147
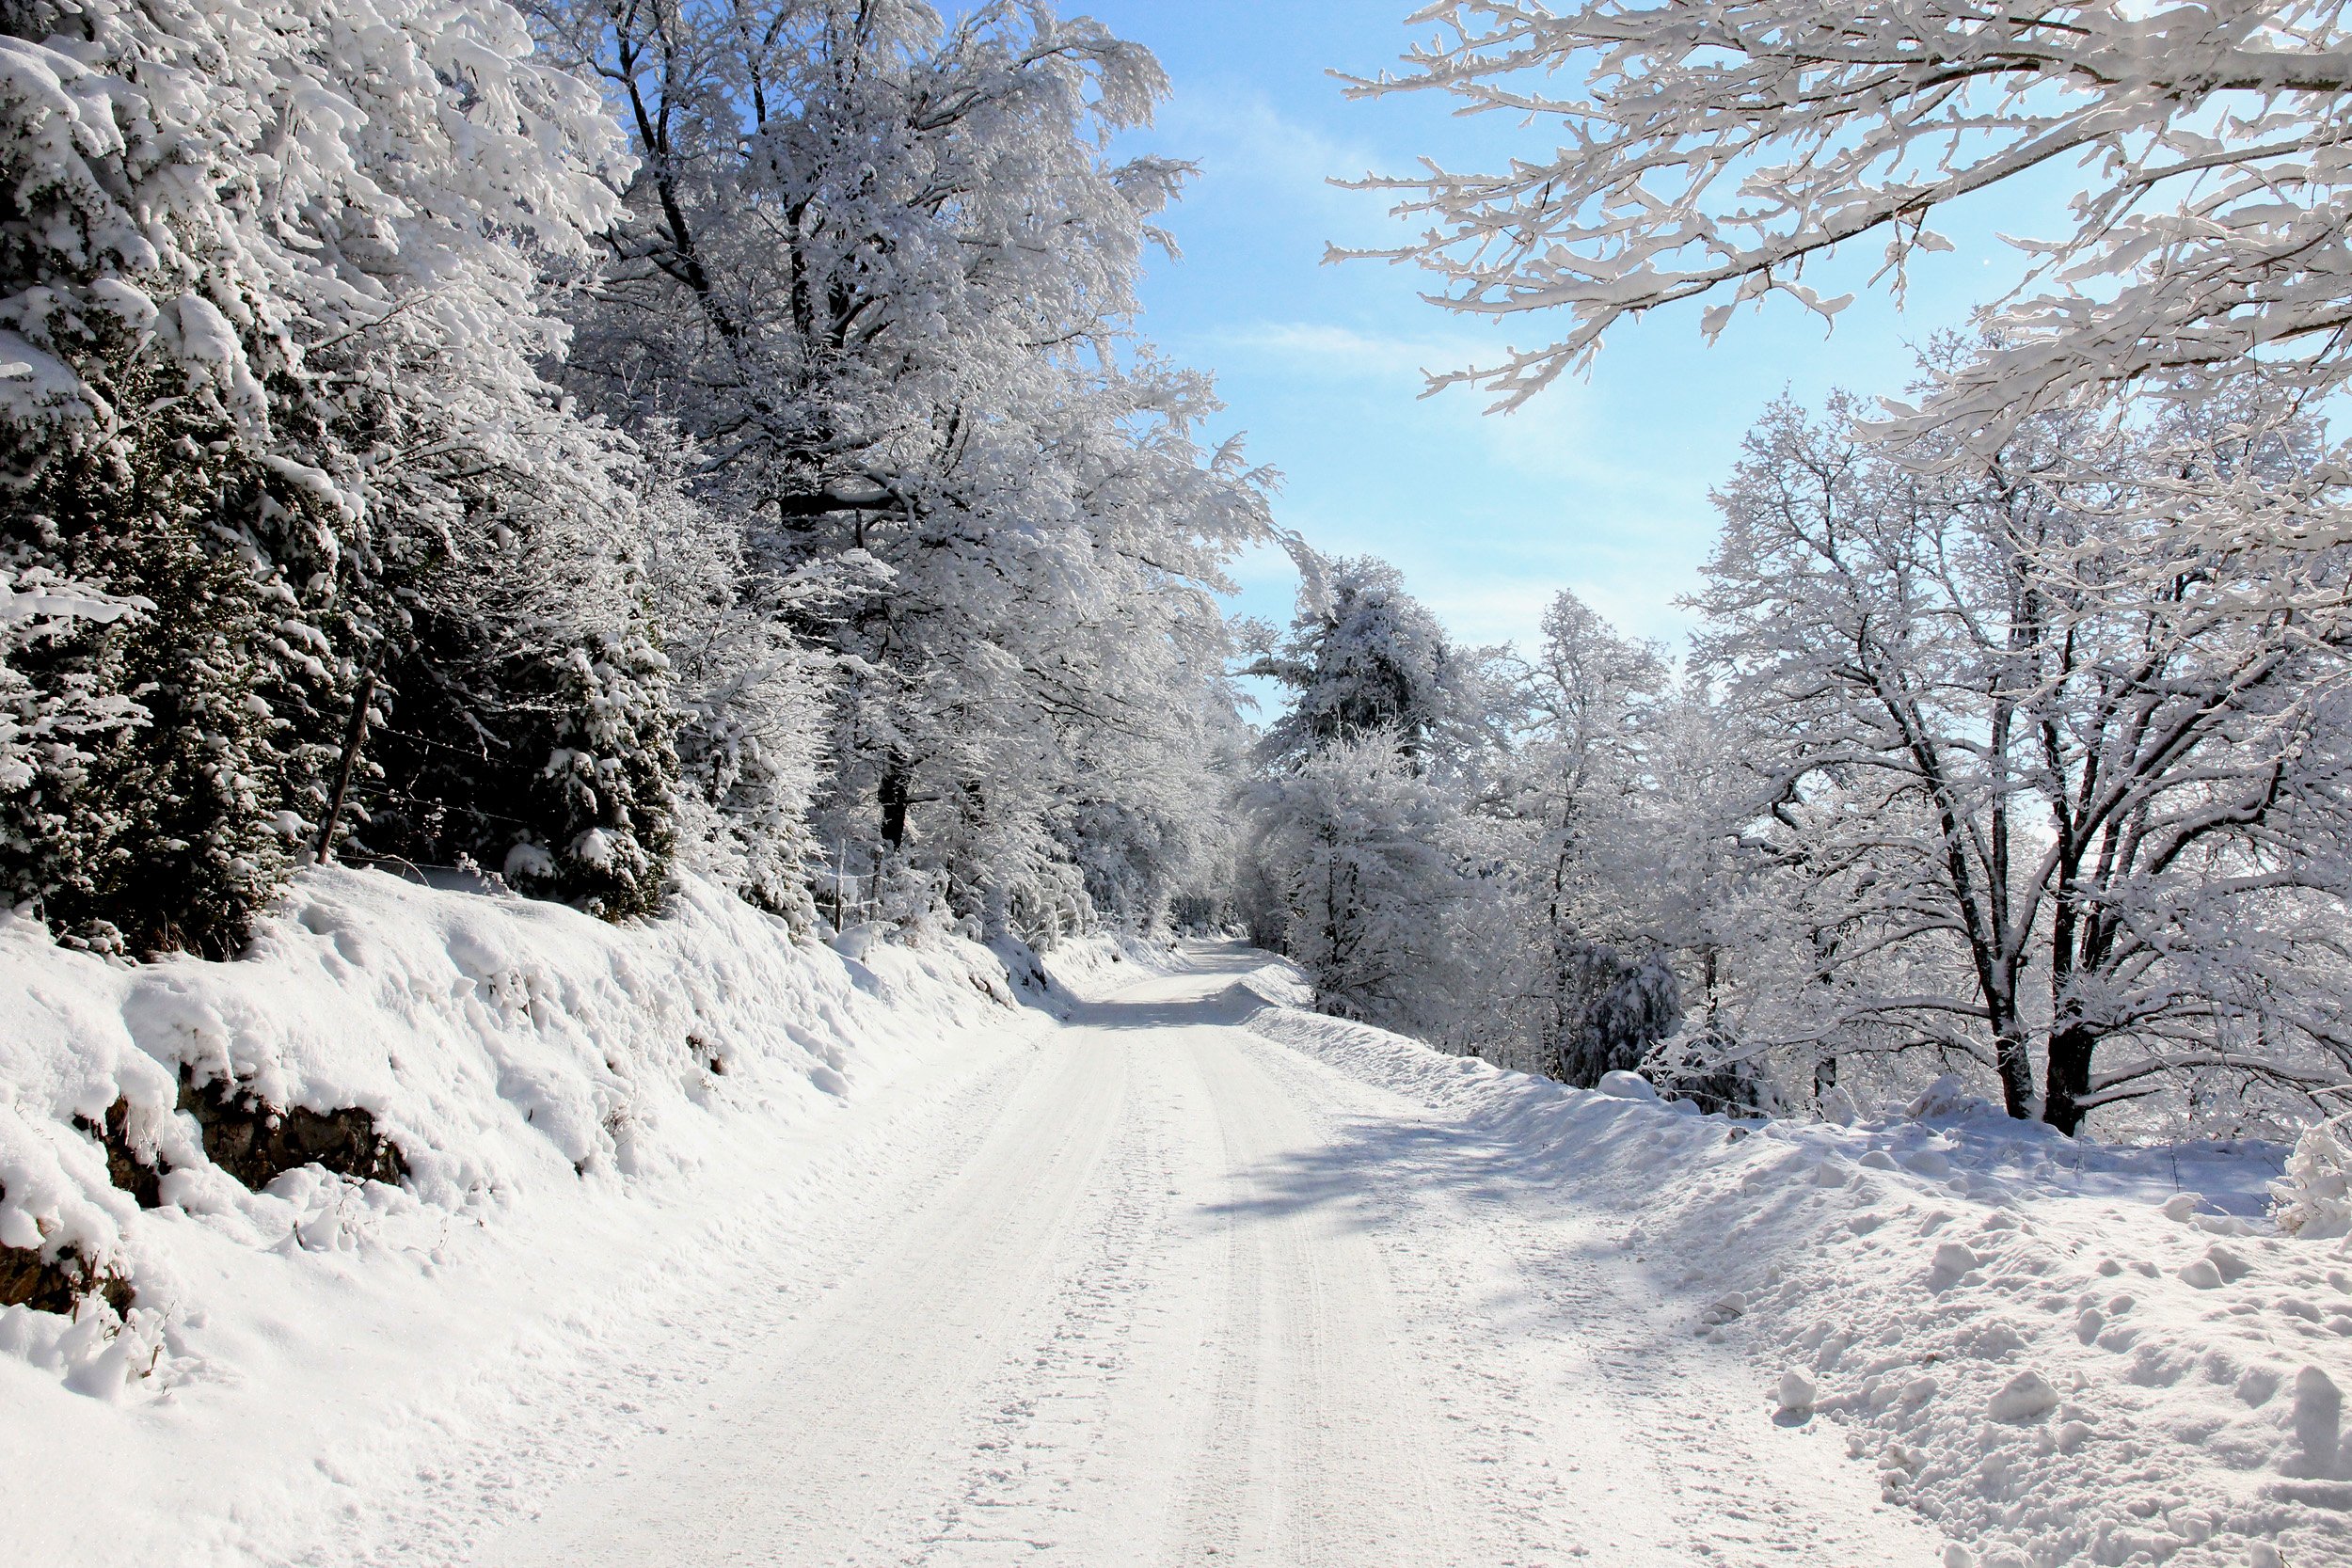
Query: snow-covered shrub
1630, 1005
1709, 1071
2315, 1198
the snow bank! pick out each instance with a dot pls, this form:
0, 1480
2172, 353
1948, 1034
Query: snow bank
558, 1094
1086, 967
2059, 1352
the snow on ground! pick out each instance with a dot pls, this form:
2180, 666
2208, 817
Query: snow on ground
1189, 1274
1164, 1291
591, 1118
2058, 1353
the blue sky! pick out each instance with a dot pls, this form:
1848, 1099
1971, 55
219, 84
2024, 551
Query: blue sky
1601, 485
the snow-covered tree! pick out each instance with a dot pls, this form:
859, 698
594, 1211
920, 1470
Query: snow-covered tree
878, 268
1364, 856
270, 339
1720, 150
530, 724
1364, 654
750, 692
2040, 784
1600, 992
35, 736
1370, 862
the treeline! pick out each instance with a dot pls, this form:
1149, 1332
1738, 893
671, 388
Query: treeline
2012, 743
1983, 767
708, 435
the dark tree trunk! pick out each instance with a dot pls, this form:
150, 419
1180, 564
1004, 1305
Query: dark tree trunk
897, 791
2016, 1069
2071, 1050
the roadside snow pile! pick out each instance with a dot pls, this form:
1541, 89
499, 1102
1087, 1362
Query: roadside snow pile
171, 1135
2060, 1353
1087, 966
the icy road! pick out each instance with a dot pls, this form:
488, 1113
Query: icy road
1155, 1290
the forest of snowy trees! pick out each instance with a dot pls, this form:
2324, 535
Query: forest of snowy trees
2014, 739
1979, 771
583, 440
603, 439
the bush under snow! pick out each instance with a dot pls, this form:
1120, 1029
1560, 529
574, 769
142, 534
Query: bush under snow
2315, 1195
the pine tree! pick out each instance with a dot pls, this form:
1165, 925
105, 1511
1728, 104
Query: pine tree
269, 339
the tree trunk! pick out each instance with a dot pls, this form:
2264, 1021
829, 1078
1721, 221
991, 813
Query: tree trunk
897, 791
2011, 1056
2071, 1050
354, 738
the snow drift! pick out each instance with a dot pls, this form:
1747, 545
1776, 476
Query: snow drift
562, 1095
2060, 1353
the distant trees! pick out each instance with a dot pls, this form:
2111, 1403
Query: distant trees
1973, 769
1362, 855
1367, 859
2013, 738
1451, 841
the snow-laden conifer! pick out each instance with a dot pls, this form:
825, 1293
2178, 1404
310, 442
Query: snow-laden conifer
270, 342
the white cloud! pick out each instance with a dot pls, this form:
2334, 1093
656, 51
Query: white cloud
1345, 351
1243, 143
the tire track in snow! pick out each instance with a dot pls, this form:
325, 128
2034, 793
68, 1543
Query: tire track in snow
1325, 1447
1607, 1433
828, 1457
584, 1396
1050, 1467
1175, 1295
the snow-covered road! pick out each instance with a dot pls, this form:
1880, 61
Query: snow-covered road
1153, 1289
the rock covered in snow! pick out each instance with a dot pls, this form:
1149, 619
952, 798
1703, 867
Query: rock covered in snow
1949, 1098
2027, 1397
1626, 1085
1796, 1392
1953, 1258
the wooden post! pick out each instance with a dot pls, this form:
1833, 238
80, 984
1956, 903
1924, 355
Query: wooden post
353, 739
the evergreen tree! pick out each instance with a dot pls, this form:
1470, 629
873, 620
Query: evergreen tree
269, 339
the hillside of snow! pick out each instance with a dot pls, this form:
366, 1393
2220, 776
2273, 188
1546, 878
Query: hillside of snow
2059, 1352
572, 1104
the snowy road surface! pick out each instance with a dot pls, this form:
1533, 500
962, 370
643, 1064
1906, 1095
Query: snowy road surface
1155, 1290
